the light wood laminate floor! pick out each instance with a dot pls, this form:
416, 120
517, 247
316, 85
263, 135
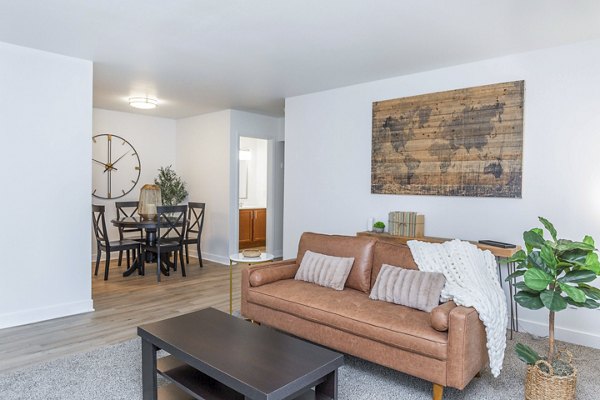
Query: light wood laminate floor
121, 304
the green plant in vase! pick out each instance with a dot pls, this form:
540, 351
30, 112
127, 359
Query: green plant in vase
378, 226
556, 273
172, 187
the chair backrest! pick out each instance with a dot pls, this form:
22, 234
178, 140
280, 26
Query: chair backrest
99, 224
195, 219
172, 223
126, 209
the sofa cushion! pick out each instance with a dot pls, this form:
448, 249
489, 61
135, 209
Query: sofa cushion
324, 270
392, 254
408, 287
352, 311
359, 247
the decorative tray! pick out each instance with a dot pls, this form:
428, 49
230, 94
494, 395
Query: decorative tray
251, 253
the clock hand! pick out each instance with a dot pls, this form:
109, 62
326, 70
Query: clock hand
127, 152
99, 162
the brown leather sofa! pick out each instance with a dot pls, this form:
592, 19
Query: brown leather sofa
446, 347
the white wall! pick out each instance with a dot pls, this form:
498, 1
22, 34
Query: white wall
153, 138
203, 160
328, 161
262, 127
45, 120
256, 171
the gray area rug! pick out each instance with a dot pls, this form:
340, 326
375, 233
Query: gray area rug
114, 373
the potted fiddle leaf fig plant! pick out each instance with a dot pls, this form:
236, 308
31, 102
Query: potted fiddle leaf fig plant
556, 273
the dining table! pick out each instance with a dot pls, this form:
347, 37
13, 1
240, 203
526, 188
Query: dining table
151, 228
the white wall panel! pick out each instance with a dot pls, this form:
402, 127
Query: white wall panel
45, 126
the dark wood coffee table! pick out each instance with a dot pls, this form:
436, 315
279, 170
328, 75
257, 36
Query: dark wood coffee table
217, 356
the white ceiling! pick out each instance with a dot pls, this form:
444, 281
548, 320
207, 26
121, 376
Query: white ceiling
198, 56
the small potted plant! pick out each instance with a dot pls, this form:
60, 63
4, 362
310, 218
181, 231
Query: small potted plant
556, 273
172, 187
378, 227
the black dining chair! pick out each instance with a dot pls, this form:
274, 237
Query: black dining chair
103, 242
193, 234
170, 234
128, 209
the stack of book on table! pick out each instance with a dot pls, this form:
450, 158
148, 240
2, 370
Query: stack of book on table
406, 223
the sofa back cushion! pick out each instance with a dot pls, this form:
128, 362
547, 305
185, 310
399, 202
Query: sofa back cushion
392, 254
358, 247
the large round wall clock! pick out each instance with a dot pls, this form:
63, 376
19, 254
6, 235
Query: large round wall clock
115, 166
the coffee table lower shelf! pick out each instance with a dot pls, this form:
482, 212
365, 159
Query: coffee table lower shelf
188, 383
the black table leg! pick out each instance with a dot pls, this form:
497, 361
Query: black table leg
136, 265
164, 260
143, 255
512, 268
149, 384
141, 266
328, 388
513, 313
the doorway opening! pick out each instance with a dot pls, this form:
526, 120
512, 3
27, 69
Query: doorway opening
253, 193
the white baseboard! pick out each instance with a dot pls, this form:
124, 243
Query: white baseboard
564, 334
278, 253
210, 257
45, 313
193, 253
219, 259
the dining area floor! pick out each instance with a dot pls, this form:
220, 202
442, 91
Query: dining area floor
121, 304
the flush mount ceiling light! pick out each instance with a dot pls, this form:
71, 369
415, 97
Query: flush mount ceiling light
145, 103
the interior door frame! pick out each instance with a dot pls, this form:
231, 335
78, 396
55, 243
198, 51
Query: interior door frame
272, 215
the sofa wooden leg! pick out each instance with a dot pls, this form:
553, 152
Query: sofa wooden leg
438, 391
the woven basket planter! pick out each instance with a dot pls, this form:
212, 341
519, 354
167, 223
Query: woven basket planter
540, 385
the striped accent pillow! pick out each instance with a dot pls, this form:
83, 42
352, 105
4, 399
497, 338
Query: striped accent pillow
324, 270
408, 287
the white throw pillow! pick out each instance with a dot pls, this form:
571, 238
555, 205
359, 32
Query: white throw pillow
324, 270
408, 287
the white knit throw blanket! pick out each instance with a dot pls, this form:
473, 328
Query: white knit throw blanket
471, 281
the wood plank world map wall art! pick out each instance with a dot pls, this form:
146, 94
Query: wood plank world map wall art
465, 142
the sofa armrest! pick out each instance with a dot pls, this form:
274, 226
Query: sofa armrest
440, 316
273, 271
467, 347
